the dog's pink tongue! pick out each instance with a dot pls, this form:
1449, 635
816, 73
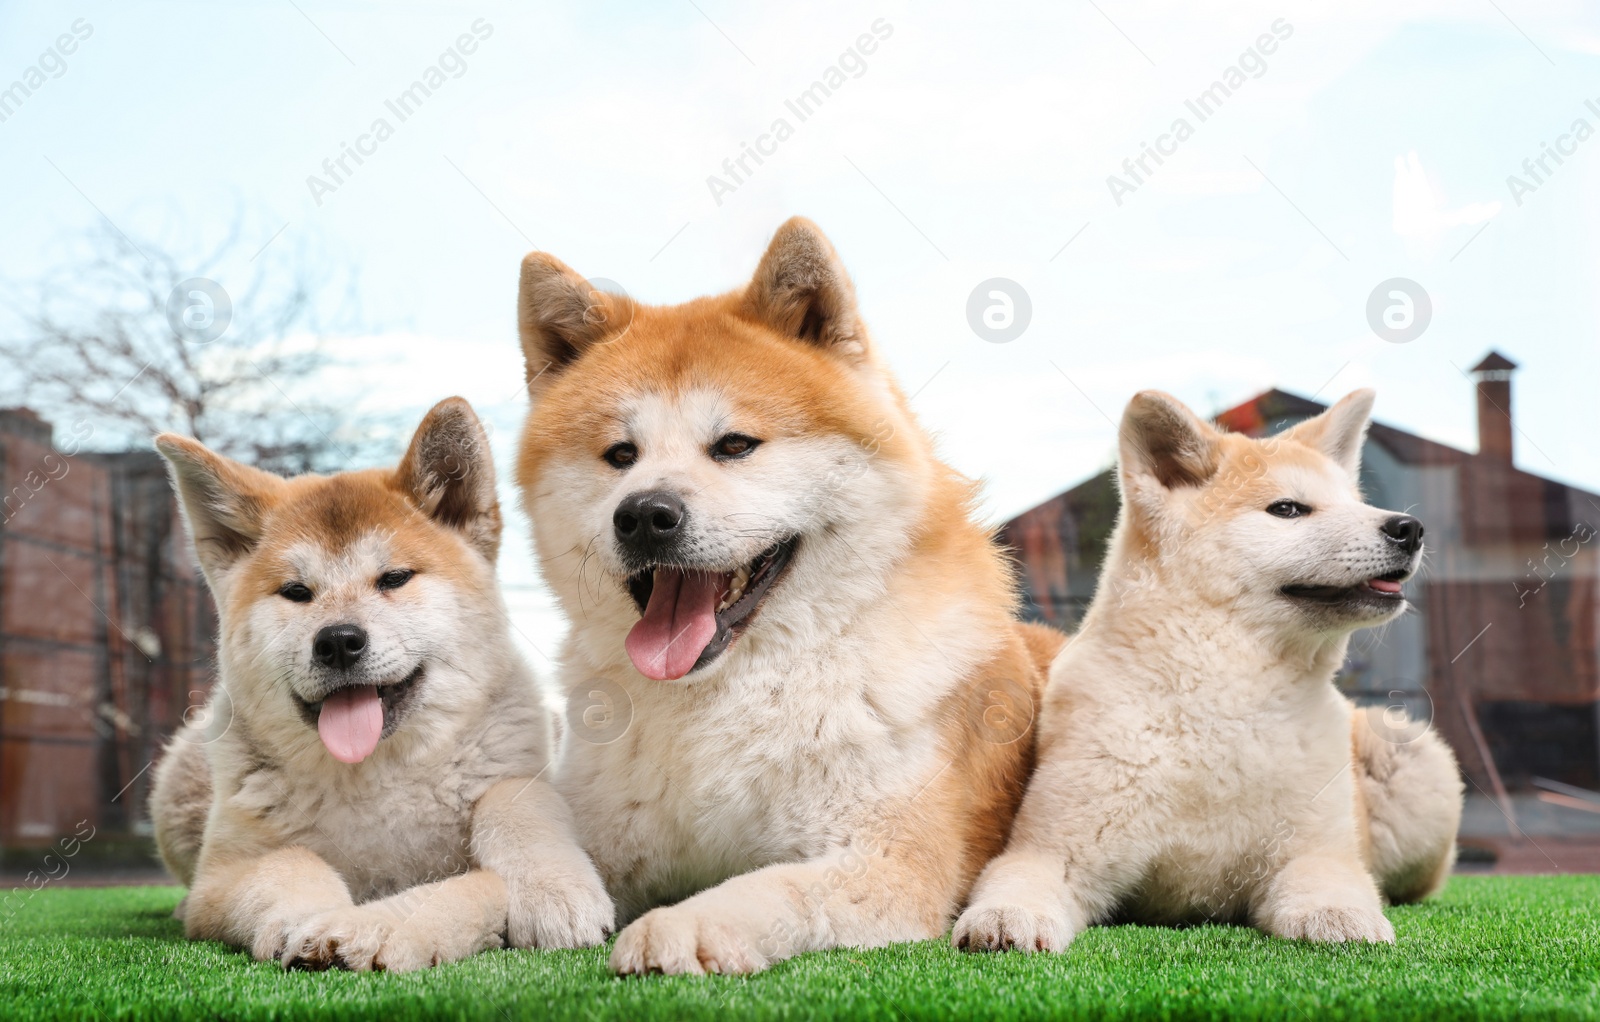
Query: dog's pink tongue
351, 722
1384, 586
678, 623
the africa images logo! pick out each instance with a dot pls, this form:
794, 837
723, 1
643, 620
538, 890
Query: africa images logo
1537, 169
1252, 63
452, 63
736, 170
53, 61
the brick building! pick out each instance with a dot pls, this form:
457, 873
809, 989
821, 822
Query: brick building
105, 631
1502, 647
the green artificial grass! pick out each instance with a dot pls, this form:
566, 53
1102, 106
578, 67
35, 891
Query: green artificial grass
1488, 948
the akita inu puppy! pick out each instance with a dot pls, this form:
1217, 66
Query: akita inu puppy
827, 700
364, 792
1195, 759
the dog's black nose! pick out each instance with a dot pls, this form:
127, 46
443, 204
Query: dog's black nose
339, 646
1405, 532
648, 521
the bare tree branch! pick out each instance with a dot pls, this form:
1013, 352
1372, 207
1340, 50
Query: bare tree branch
97, 344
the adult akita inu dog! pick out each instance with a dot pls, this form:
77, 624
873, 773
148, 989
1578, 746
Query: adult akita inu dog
364, 792
1195, 759
769, 572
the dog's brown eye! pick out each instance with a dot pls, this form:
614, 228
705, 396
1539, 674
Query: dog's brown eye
297, 592
1287, 509
395, 579
734, 445
621, 455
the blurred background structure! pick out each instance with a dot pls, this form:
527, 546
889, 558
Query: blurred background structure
106, 634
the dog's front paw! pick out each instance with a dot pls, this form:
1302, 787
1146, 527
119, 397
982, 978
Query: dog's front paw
365, 938
343, 938
678, 939
272, 936
1010, 928
1334, 925
568, 908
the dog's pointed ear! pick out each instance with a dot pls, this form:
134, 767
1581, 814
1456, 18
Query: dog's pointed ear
223, 502
801, 290
1163, 444
1341, 431
560, 315
448, 471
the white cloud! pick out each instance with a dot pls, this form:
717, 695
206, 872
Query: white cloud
1421, 213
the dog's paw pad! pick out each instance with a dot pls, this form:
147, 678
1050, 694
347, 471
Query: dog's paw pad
676, 940
342, 939
1008, 928
273, 940
1337, 925
560, 915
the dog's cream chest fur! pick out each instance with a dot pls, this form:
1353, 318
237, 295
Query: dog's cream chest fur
715, 779
423, 790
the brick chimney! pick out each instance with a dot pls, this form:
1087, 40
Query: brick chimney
1494, 406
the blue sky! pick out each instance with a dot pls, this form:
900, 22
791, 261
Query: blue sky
975, 142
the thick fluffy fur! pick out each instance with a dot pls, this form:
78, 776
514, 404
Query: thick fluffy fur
1408, 804
841, 773
442, 841
1196, 761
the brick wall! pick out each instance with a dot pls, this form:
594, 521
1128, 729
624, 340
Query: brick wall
105, 631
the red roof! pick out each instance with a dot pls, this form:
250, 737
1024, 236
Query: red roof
1256, 416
